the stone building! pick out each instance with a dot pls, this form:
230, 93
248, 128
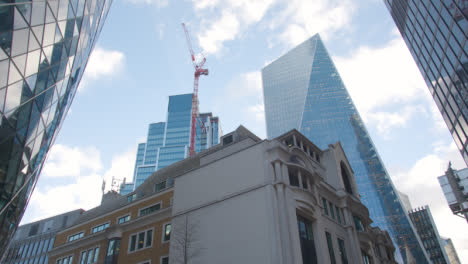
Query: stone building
245, 200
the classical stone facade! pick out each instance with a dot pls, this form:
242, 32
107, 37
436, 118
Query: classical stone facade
273, 201
245, 200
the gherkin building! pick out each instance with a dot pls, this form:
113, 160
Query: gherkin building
44, 48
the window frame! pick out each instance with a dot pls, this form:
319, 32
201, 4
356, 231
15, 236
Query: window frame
163, 257
145, 238
77, 233
60, 260
122, 216
92, 232
93, 248
163, 233
149, 206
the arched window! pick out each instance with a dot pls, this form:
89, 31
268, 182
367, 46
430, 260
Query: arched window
346, 180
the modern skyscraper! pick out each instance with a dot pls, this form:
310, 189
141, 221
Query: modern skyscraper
450, 250
44, 48
169, 141
303, 90
455, 187
427, 231
436, 35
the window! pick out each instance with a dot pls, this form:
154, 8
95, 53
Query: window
141, 240
150, 209
65, 260
123, 219
365, 258
332, 211
99, 228
113, 249
33, 230
83, 257
167, 232
338, 215
293, 177
325, 207
306, 236
330, 248
160, 186
75, 236
358, 223
227, 140
304, 182
346, 180
165, 260
131, 197
342, 250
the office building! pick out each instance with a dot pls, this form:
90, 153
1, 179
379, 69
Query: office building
450, 250
44, 48
168, 142
427, 231
435, 33
455, 187
289, 202
303, 90
405, 201
33, 241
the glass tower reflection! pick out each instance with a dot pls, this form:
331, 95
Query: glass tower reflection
303, 90
168, 142
44, 48
436, 33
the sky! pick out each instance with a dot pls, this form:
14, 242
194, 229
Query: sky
142, 57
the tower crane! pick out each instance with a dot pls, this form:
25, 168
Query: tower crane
199, 70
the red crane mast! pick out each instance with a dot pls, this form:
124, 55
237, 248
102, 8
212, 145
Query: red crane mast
198, 71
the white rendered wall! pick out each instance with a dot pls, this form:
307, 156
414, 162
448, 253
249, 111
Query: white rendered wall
215, 181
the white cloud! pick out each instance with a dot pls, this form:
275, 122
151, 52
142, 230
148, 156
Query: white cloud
72, 178
306, 18
236, 15
102, 63
158, 3
421, 184
65, 161
376, 77
245, 104
247, 84
122, 166
386, 121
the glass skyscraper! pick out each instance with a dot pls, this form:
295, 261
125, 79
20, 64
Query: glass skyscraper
168, 142
303, 90
44, 48
436, 33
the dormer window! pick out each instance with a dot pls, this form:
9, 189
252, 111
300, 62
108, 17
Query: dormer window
228, 140
160, 186
131, 197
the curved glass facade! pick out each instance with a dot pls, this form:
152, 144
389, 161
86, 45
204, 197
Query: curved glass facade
44, 48
303, 90
436, 33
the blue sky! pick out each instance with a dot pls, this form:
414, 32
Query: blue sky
141, 58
